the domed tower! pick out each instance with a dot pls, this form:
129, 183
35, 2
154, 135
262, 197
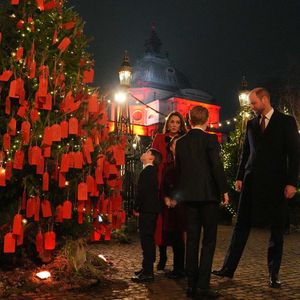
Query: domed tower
155, 70
162, 88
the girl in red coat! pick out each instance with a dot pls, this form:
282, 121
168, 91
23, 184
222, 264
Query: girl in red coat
174, 126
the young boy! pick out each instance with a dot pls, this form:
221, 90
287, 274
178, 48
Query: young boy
147, 207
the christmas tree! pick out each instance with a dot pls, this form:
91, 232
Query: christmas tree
58, 162
232, 149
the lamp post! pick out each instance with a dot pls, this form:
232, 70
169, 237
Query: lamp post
123, 127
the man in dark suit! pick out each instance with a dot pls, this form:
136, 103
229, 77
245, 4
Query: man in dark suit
201, 183
267, 178
147, 207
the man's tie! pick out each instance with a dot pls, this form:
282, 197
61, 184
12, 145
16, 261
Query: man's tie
263, 123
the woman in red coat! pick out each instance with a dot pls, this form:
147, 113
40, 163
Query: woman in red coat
174, 126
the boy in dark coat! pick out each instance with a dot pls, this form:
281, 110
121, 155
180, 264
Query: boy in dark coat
147, 207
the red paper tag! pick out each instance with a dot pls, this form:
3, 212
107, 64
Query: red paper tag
45, 186
6, 142
50, 5
8, 170
61, 180
30, 207
22, 111
98, 175
95, 236
71, 159
93, 103
69, 25
20, 24
25, 131
90, 181
87, 154
2, 176
43, 86
47, 140
67, 210
89, 144
82, 191
78, 160
13, 89
18, 160
54, 40
7, 105
49, 240
5, 76
73, 126
19, 53
34, 115
40, 4
47, 151
39, 242
88, 76
46, 209
107, 234
32, 69
36, 153
12, 125
64, 165
14, 2
63, 45
17, 224
64, 126
56, 133
9, 243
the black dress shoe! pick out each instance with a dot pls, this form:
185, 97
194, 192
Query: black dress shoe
208, 293
275, 283
191, 292
143, 277
224, 272
175, 274
138, 272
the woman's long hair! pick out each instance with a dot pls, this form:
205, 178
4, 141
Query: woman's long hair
182, 128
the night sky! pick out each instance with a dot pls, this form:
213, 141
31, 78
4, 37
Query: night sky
213, 42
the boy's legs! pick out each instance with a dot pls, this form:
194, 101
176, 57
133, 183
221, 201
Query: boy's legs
147, 229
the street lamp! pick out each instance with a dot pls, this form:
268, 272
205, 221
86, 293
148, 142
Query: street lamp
125, 72
123, 127
122, 113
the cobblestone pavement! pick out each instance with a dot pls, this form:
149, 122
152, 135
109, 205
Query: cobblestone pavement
250, 281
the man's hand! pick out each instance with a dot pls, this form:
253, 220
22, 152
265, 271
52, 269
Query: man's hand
238, 185
289, 191
173, 203
225, 199
136, 213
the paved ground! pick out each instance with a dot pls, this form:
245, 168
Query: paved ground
250, 281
